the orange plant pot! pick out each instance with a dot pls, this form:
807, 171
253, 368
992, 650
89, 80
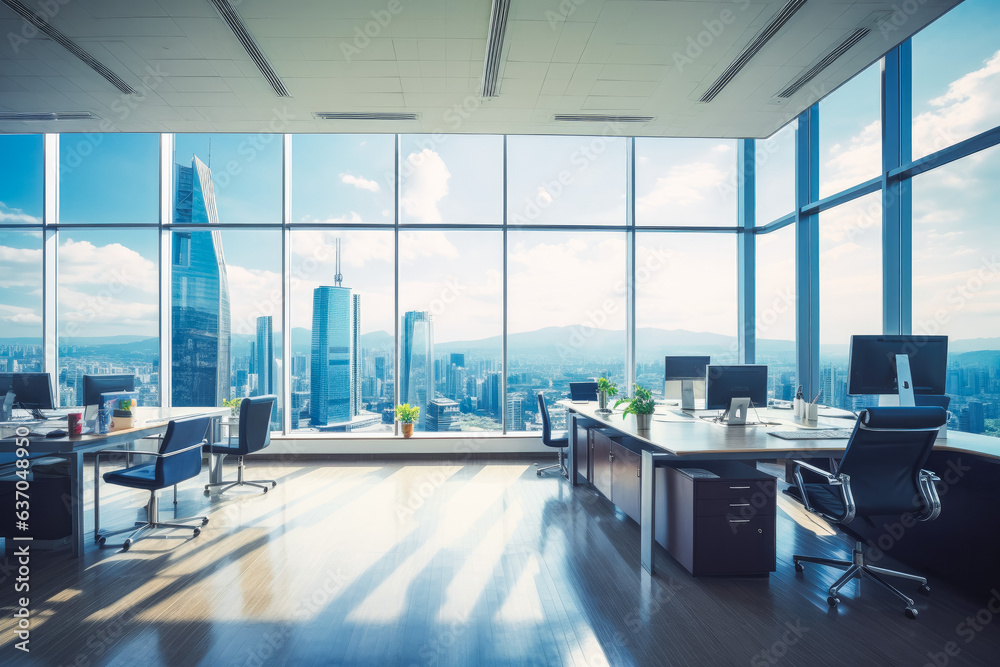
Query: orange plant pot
407, 430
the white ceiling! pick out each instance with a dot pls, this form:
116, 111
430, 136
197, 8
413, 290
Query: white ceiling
607, 56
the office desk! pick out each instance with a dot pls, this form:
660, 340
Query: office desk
154, 421
673, 438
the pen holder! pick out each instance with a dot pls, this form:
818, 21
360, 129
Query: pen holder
797, 406
812, 412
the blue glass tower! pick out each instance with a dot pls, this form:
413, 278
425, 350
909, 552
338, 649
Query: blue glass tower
199, 294
416, 377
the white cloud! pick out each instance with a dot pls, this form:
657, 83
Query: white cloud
542, 197
856, 162
360, 182
684, 185
425, 187
82, 263
13, 215
967, 108
253, 293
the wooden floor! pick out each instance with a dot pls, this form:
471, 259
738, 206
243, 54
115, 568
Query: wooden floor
425, 563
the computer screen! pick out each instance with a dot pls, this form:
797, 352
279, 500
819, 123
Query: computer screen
583, 391
95, 385
724, 383
685, 368
32, 391
872, 368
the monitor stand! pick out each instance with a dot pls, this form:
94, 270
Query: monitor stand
904, 386
737, 413
687, 394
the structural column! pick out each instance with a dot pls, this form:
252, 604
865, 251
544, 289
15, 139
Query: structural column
897, 200
807, 251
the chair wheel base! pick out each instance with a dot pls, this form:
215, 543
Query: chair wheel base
538, 473
924, 589
204, 521
197, 532
126, 545
798, 566
910, 612
833, 601
101, 541
207, 492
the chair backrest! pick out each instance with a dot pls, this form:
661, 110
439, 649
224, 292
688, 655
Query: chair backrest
887, 450
181, 434
583, 391
255, 422
546, 424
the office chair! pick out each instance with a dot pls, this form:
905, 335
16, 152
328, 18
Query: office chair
881, 473
583, 391
559, 439
254, 435
178, 459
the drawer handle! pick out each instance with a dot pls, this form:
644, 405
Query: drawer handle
739, 487
739, 521
739, 504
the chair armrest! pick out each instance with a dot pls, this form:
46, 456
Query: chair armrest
929, 494
829, 476
841, 480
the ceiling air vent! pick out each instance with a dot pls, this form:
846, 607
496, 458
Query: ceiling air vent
68, 44
229, 15
599, 118
494, 47
42, 116
365, 115
824, 62
762, 38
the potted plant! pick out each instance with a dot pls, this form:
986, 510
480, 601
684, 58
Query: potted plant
122, 415
605, 389
641, 405
407, 415
230, 427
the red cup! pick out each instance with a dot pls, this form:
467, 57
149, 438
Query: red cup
75, 423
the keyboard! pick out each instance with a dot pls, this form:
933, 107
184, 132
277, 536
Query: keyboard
814, 434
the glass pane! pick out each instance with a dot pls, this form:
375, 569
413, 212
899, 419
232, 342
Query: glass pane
956, 281
565, 315
685, 182
343, 178
565, 180
451, 310
850, 291
20, 301
775, 175
954, 97
451, 178
113, 177
775, 325
850, 133
342, 331
245, 171
109, 310
252, 267
683, 304
21, 178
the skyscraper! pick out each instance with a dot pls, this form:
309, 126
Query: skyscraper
441, 414
335, 386
263, 358
199, 294
416, 373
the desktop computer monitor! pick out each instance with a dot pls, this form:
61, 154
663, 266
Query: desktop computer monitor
95, 385
729, 386
680, 375
898, 365
31, 391
583, 391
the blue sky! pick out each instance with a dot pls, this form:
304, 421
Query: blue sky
113, 178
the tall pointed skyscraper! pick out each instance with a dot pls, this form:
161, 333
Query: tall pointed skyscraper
416, 375
335, 390
199, 294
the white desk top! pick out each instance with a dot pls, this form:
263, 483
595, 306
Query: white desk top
691, 436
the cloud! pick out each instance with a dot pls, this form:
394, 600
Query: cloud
253, 293
13, 215
425, 187
83, 264
683, 186
422, 244
967, 108
855, 162
360, 182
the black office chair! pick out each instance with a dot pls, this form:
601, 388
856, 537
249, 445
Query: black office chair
881, 473
583, 391
178, 459
254, 435
559, 439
